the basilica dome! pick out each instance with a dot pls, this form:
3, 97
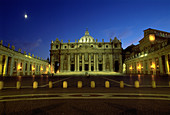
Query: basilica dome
86, 38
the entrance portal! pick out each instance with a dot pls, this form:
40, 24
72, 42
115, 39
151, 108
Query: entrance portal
92, 68
72, 67
116, 66
80, 68
56, 66
100, 67
86, 67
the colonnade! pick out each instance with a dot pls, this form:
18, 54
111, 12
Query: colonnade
15, 63
154, 63
93, 63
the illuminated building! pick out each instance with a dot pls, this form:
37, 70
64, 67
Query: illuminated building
151, 55
15, 63
86, 54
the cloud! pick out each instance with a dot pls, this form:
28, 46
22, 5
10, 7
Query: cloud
25, 45
118, 32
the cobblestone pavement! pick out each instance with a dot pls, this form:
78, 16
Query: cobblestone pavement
86, 107
86, 100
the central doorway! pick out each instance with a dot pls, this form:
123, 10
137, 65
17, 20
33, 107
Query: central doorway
72, 67
86, 67
100, 67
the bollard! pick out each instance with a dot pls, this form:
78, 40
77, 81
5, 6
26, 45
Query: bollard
107, 84
64, 84
121, 84
79, 84
35, 85
153, 84
1, 85
18, 85
92, 84
136, 84
50, 84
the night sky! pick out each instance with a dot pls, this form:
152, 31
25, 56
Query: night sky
68, 19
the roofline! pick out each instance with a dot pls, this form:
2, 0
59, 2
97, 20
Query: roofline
156, 30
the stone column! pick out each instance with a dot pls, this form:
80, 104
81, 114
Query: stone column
5, 65
94, 62
104, 63
1, 59
23, 69
40, 72
136, 67
154, 69
11, 66
144, 69
160, 65
39, 69
167, 64
82, 62
97, 60
69, 62
140, 69
89, 62
18, 65
75, 62
78, 65
111, 62
148, 66
35, 71
28, 68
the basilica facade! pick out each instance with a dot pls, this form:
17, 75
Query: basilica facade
86, 54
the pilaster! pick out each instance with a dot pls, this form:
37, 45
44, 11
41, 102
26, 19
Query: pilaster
120, 61
111, 62
75, 62
94, 62
61, 63
167, 64
97, 62
82, 62
78, 65
69, 62
89, 62
104, 63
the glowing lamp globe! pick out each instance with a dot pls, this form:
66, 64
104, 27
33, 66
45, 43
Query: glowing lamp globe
152, 37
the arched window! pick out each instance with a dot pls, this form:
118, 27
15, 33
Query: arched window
100, 45
72, 46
